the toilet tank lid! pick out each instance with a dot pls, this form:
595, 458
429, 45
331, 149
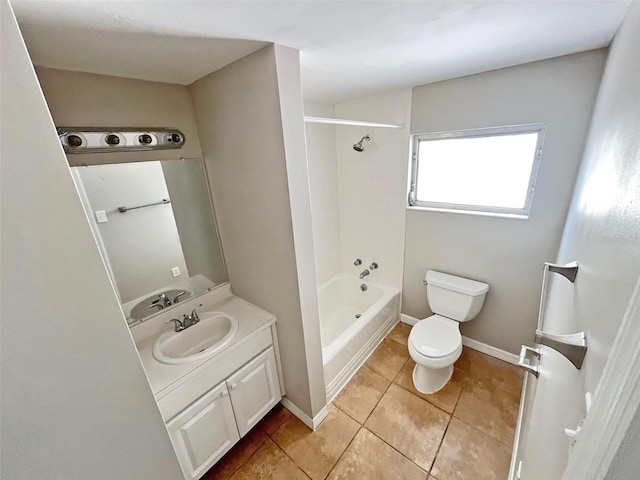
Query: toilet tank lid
457, 284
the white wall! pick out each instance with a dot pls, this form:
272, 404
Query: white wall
372, 185
506, 253
254, 151
75, 400
323, 187
603, 224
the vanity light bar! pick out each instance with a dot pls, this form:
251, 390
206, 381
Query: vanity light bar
110, 140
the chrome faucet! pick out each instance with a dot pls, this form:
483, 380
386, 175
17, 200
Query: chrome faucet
179, 326
188, 320
165, 300
192, 318
364, 273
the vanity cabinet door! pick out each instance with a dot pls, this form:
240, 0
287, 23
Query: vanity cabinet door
204, 432
254, 390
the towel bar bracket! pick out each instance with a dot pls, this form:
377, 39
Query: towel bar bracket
568, 271
573, 347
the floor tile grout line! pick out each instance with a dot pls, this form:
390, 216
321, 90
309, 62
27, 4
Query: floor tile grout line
377, 402
484, 433
289, 456
362, 425
453, 414
393, 382
511, 366
345, 450
267, 437
379, 399
339, 457
435, 457
395, 449
270, 437
430, 403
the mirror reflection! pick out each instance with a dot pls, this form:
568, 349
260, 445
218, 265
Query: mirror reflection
155, 227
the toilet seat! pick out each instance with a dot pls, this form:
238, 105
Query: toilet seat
436, 337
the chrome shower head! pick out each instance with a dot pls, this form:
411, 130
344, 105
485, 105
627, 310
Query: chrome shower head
358, 147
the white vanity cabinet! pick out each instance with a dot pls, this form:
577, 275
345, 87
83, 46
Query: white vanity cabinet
204, 432
254, 390
209, 405
208, 428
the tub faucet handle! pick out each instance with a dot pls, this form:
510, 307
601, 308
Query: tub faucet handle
373, 266
357, 262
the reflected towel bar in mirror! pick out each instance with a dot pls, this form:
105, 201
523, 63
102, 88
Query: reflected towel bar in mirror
161, 202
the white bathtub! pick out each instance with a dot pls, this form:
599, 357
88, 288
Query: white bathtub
347, 341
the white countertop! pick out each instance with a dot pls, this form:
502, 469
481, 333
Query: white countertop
250, 319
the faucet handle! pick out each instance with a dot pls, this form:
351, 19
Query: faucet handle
373, 266
194, 313
357, 262
156, 303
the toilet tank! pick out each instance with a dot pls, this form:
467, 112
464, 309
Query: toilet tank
455, 297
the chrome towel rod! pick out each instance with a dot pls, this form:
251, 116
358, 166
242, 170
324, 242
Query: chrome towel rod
161, 202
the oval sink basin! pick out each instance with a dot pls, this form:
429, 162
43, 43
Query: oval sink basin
208, 336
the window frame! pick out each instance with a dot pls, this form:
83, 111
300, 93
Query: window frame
413, 203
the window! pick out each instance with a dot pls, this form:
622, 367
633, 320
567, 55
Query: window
489, 170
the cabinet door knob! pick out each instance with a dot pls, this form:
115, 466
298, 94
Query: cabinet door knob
224, 393
234, 386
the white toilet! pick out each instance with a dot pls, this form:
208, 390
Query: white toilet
435, 343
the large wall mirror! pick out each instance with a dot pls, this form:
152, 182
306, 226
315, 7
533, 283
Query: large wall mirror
156, 229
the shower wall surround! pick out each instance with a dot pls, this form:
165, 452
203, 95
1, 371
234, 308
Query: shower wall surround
358, 198
323, 188
372, 185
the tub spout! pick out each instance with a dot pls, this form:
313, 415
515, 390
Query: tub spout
364, 273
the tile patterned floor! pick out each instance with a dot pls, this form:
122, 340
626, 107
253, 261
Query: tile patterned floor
380, 427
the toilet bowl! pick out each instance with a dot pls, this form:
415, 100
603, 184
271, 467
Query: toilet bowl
435, 342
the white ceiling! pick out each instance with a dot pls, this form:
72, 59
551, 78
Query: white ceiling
348, 49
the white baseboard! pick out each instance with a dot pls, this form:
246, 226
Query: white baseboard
489, 350
409, 320
471, 343
312, 423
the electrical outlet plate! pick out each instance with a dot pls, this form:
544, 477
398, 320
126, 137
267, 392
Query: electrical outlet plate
101, 216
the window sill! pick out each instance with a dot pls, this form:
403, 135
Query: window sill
514, 216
